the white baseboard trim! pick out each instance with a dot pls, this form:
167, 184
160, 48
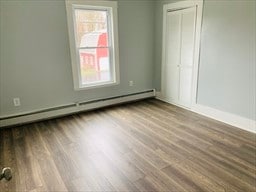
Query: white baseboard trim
71, 108
225, 117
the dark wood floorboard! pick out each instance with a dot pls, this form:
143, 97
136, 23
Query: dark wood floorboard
143, 146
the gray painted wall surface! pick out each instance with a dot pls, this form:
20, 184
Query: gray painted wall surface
35, 58
227, 60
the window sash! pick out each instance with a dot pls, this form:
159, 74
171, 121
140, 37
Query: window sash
109, 15
111, 68
109, 47
93, 47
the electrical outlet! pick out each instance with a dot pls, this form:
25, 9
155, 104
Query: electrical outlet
130, 83
16, 102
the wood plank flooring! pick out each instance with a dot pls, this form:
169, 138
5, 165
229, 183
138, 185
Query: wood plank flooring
144, 146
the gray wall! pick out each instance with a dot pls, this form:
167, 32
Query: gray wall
35, 59
227, 63
227, 60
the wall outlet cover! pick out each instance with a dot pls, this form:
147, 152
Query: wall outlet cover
16, 102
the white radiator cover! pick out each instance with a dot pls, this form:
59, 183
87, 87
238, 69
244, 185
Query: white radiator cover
6, 121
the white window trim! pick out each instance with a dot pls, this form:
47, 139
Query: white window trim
112, 5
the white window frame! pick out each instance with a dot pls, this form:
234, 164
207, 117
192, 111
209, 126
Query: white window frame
111, 7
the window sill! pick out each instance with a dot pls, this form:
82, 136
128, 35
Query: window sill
95, 86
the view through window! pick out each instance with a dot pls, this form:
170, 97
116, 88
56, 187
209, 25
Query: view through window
92, 41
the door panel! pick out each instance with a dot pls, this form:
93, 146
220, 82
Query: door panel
185, 86
173, 38
179, 53
187, 33
186, 56
173, 56
172, 91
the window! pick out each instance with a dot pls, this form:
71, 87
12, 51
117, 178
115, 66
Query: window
93, 43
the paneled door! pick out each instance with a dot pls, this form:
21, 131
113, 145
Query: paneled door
177, 74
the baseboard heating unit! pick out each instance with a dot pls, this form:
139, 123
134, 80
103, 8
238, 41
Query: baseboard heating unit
33, 116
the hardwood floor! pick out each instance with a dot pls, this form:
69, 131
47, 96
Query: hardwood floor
144, 146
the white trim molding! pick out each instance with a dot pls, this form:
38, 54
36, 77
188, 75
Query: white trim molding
225, 117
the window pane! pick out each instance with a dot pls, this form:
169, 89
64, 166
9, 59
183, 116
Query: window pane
91, 28
94, 65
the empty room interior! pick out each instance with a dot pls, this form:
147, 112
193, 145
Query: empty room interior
128, 95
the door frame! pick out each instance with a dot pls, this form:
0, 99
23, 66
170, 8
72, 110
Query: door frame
199, 14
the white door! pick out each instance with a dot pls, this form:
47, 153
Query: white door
177, 74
